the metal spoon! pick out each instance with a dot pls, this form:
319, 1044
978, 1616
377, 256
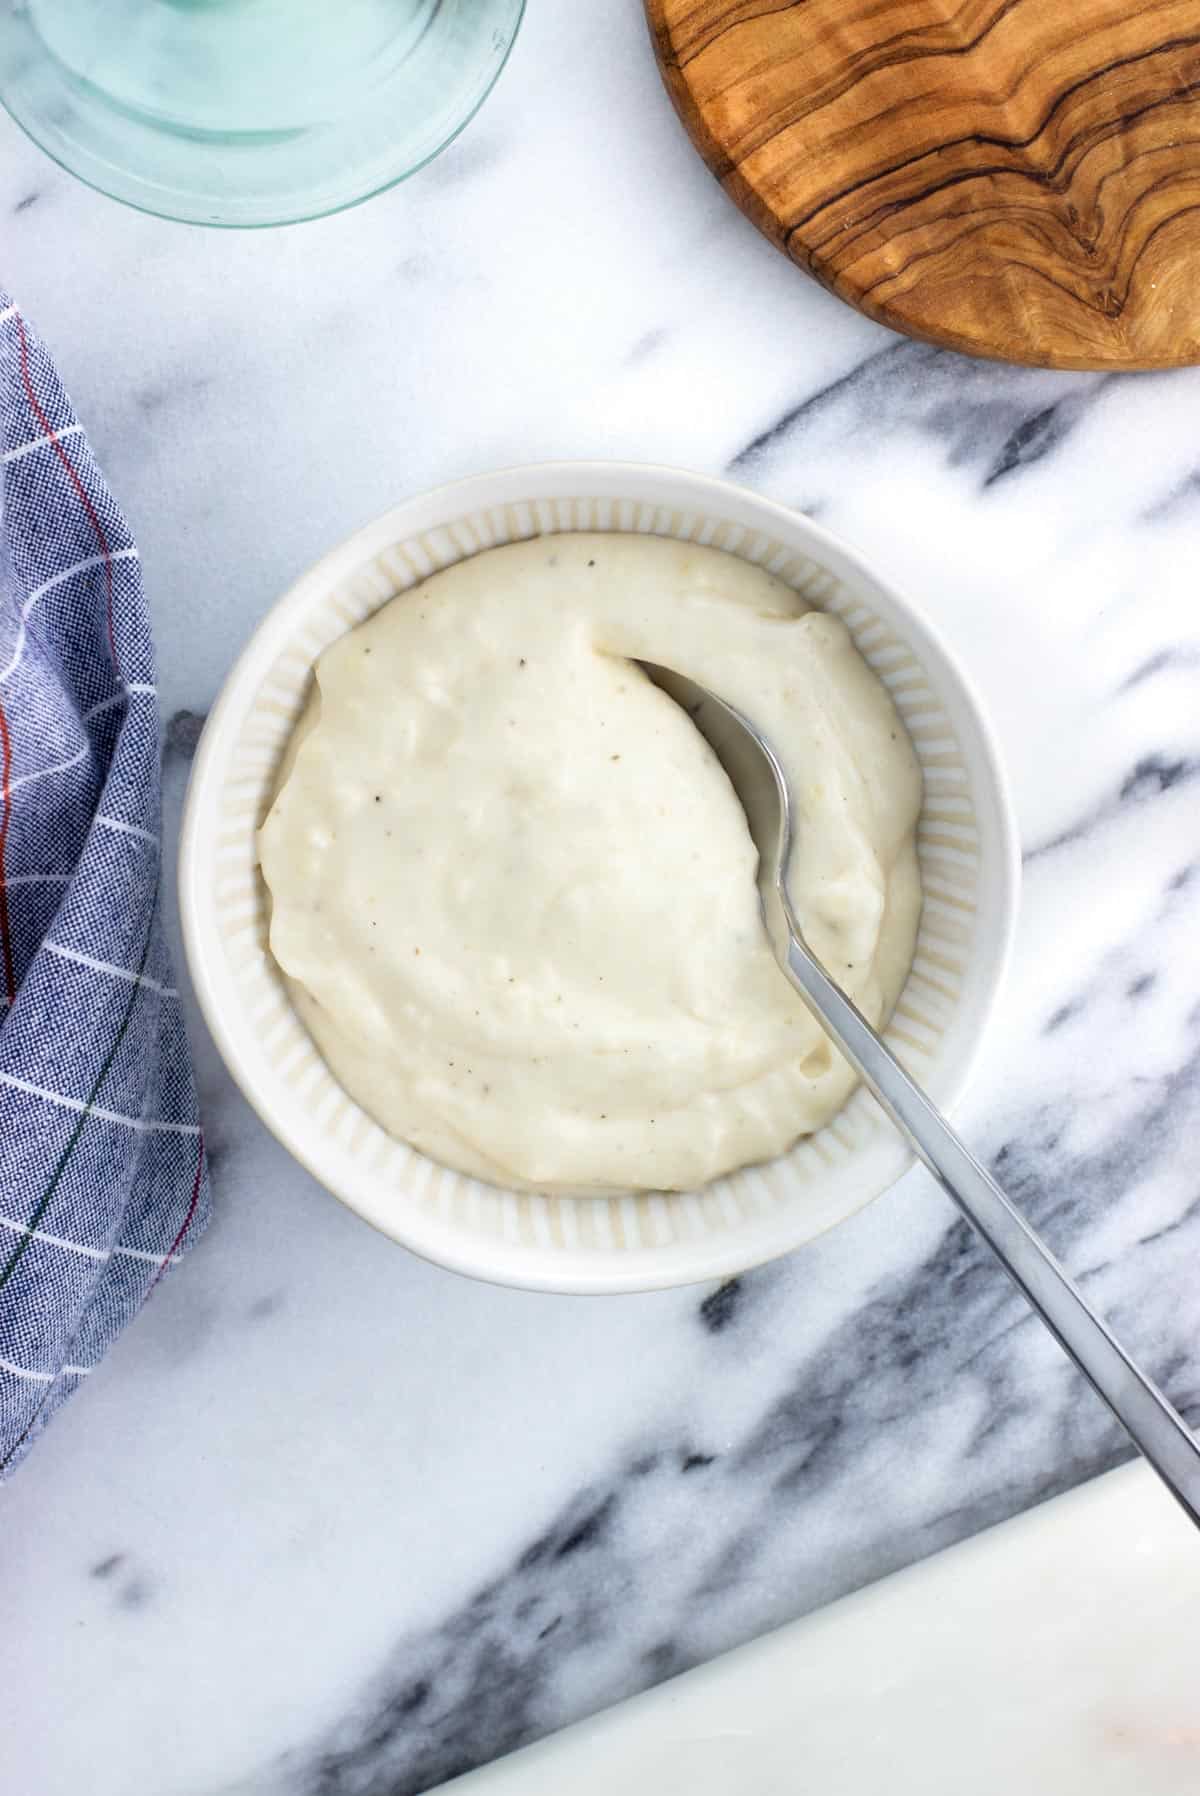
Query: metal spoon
761, 786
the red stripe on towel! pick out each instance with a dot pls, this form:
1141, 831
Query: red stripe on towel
6, 953
177, 1243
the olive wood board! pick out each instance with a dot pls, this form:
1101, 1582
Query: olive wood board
1011, 178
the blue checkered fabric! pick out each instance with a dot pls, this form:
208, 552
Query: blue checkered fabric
102, 1176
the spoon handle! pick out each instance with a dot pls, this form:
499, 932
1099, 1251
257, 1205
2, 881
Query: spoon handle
1141, 1408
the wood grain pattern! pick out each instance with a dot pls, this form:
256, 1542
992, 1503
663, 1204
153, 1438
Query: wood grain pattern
1012, 178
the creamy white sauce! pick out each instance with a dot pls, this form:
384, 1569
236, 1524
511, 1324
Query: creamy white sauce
514, 892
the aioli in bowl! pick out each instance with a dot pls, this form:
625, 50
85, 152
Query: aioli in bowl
514, 894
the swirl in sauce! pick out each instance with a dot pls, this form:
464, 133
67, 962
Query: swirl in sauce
514, 894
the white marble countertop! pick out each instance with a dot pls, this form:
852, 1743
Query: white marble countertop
994, 1668
331, 1522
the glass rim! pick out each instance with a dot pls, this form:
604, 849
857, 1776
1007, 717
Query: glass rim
139, 197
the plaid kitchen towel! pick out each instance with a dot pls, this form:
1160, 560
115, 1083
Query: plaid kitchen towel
102, 1176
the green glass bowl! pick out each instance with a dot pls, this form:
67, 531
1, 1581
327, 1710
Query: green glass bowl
248, 112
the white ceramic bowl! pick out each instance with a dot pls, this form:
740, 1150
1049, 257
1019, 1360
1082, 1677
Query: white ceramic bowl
969, 868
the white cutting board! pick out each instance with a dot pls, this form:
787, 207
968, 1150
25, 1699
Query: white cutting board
1056, 1654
